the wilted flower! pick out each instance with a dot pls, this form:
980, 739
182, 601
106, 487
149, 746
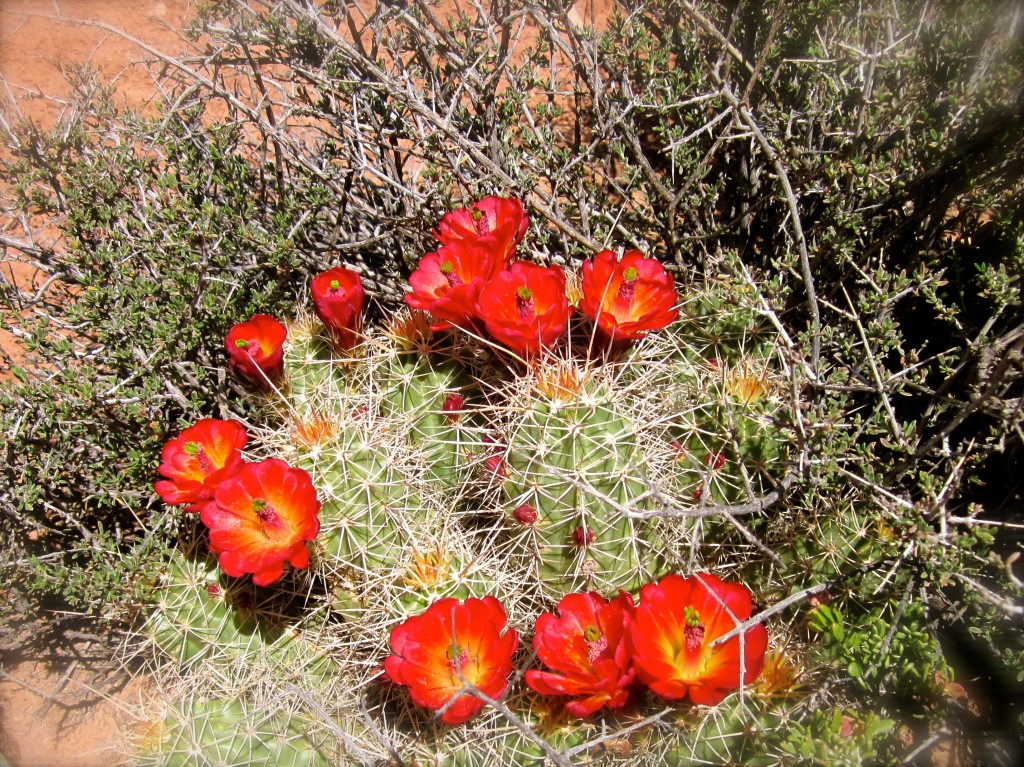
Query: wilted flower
447, 283
256, 348
676, 622
338, 301
198, 459
449, 646
629, 298
261, 518
589, 649
525, 307
496, 223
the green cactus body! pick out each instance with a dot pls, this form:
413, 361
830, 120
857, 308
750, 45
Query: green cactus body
577, 463
432, 394
312, 368
230, 733
205, 618
500, 742
367, 504
732, 444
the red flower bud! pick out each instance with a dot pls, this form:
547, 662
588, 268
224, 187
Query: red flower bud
338, 301
452, 406
525, 514
582, 536
256, 349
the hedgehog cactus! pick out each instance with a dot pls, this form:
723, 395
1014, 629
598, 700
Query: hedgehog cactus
204, 618
575, 459
230, 733
521, 466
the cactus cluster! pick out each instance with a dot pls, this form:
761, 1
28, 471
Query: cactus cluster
449, 463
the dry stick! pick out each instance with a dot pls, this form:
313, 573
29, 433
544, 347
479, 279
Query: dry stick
416, 105
704, 23
619, 733
778, 607
713, 510
364, 756
894, 424
381, 736
470, 689
794, 213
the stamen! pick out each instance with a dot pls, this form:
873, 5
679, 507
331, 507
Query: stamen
458, 657
448, 270
694, 631
524, 303
628, 288
264, 511
480, 222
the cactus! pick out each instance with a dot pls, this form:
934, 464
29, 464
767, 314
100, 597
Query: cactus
205, 619
575, 459
231, 733
446, 468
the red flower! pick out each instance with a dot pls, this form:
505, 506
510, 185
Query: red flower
589, 650
261, 518
497, 223
256, 348
430, 651
676, 622
338, 301
448, 282
525, 308
198, 459
629, 298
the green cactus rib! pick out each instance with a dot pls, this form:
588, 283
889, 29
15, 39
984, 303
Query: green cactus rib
432, 394
203, 618
231, 733
577, 463
732, 448
367, 503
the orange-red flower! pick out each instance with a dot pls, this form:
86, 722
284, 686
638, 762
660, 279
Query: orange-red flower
590, 651
338, 301
629, 298
198, 459
256, 348
497, 223
676, 622
447, 283
261, 518
436, 654
525, 307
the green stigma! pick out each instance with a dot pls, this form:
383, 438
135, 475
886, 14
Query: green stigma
692, 617
523, 293
241, 343
191, 448
476, 213
447, 267
335, 284
259, 505
591, 633
629, 274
